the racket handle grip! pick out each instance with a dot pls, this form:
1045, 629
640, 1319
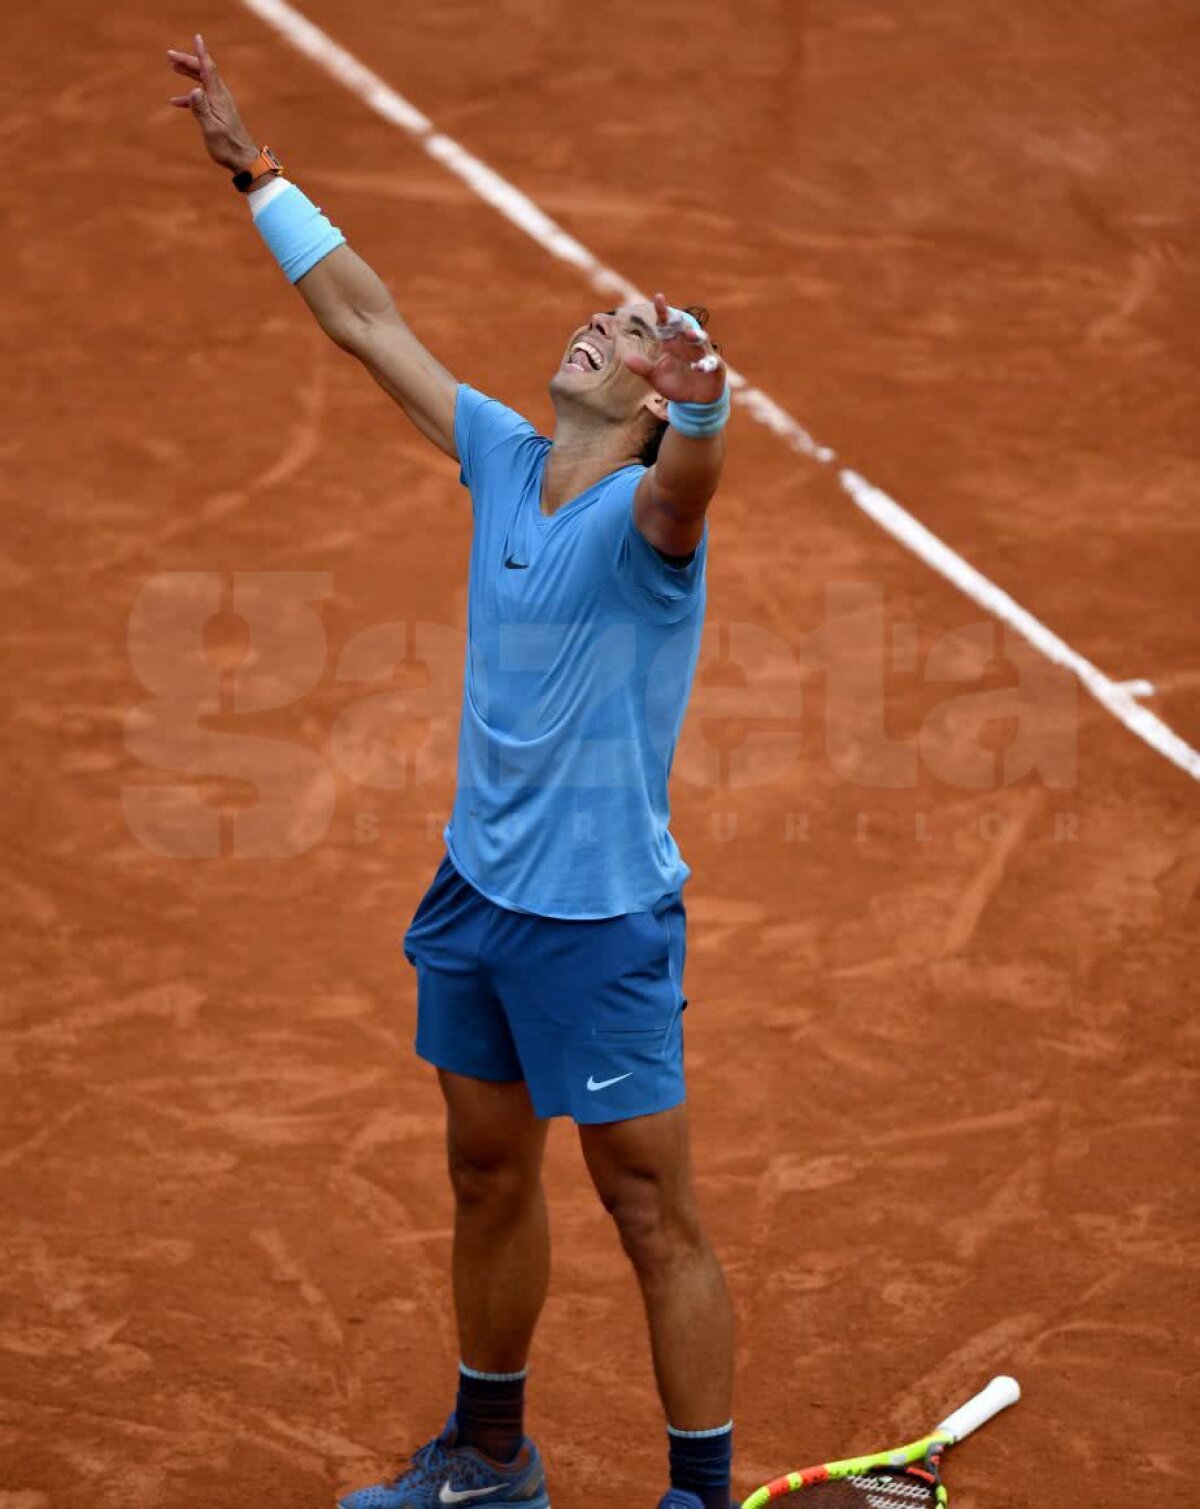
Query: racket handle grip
998, 1395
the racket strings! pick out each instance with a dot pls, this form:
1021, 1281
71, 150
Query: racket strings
884, 1490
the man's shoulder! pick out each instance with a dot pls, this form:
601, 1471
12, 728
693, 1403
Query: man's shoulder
488, 432
474, 408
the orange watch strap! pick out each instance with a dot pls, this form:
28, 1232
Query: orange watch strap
266, 162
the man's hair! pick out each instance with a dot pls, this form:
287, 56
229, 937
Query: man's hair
649, 452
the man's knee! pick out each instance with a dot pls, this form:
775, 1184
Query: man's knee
658, 1226
494, 1143
487, 1174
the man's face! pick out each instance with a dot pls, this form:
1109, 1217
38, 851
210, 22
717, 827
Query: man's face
593, 371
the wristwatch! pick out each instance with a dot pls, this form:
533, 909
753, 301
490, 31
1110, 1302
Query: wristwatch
266, 162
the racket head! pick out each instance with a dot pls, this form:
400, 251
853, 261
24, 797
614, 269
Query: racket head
914, 1470
907, 1478
882, 1488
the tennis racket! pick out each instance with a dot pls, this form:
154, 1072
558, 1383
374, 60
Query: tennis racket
907, 1477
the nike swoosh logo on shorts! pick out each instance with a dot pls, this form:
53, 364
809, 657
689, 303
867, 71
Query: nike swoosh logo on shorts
516, 565
603, 1084
448, 1495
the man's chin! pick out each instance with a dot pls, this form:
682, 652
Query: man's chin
566, 381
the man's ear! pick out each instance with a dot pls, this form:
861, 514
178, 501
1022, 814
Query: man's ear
657, 405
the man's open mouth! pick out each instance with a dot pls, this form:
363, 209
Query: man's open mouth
585, 356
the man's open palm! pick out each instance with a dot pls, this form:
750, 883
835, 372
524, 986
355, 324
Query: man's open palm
227, 140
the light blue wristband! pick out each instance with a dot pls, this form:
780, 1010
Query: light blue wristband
699, 420
296, 232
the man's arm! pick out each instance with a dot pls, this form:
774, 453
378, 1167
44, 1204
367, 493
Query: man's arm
673, 497
355, 310
349, 301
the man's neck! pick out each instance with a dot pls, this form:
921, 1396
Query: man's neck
581, 454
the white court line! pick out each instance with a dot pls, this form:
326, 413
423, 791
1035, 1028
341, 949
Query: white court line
887, 513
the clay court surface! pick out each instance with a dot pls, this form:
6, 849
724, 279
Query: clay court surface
941, 1020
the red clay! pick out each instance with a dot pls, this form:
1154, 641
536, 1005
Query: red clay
940, 1027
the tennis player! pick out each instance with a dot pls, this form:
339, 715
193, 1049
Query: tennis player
550, 947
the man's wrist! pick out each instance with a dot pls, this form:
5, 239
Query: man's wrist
297, 234
243, 157
265, 166
699, 421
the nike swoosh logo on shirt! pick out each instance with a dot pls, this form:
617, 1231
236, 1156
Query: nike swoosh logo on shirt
516, 565
603, 1084
448, 1495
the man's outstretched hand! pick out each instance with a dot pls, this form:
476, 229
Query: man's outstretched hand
227, 140
686, 369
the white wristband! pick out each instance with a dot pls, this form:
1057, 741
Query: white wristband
260, 198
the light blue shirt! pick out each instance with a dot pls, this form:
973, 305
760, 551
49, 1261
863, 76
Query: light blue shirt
581, 646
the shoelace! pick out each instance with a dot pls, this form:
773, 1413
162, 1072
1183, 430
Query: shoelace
429, 1459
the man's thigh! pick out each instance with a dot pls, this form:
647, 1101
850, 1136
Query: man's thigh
643, 1166
492, 1128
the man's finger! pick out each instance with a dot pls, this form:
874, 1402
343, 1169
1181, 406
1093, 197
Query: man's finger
207, 66
675, 325
181, 101
186, 70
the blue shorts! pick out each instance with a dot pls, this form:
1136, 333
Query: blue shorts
588, 1014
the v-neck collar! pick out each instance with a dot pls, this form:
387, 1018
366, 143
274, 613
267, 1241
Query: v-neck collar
572, 502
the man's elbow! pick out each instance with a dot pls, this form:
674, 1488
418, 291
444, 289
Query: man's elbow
359, 329
674, 526
683, 499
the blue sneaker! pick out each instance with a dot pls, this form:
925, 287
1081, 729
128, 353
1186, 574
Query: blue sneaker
677, 1498
443, 1472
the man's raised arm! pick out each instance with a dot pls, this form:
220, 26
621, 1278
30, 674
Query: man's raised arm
349, 300
673, 497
